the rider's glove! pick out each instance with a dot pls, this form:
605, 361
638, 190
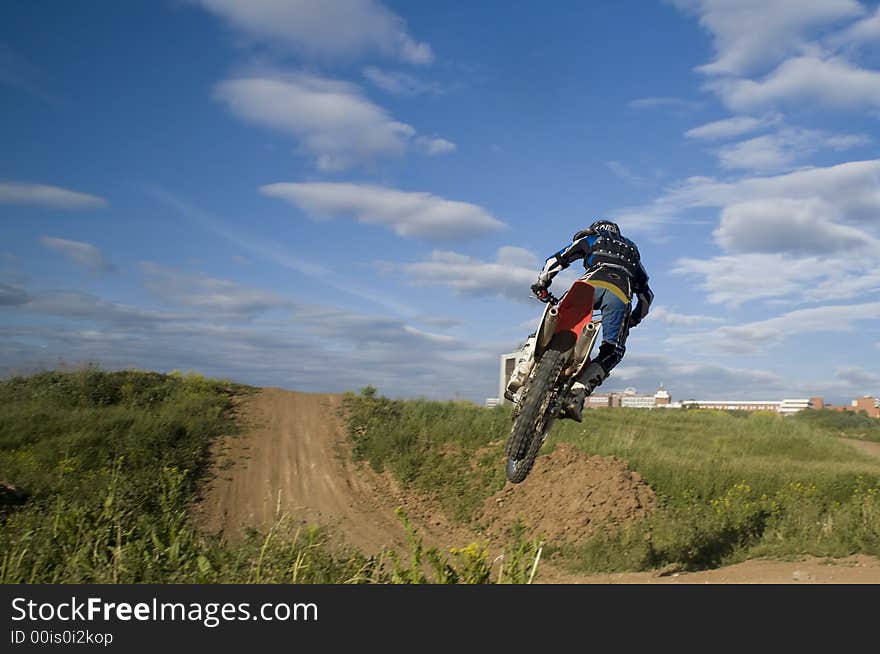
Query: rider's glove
541, 291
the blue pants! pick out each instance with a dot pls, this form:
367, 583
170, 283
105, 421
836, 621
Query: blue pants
615, 327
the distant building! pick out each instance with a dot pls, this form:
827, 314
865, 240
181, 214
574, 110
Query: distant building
662, 397
787, 407
630, 398
492, 402
733, 405
867, 404
508, 363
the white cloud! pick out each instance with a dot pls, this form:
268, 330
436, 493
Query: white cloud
85, 306
755, 337
782, 278
734, 280
677, 319
510, 275
652, 102
749, 34
800, 226
398, 83
625, 173
857, 376
210, 296
781, 150
341, 28
84, 254
691, 379
435, 145
315, 348
442, 322
332, 119
729, 127
50, 197
866, 30
852, 189
407, 213
831, 82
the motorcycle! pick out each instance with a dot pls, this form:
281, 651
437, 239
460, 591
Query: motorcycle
564, 342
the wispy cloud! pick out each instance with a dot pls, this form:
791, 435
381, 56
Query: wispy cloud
830, 82
399, 83
211, 297
850, 189
11, 296
419, 215
679, 104
750, 34
47, 196
83, 254
625, 173
333, 121
435, 145
678, 319
509, 275
687, 378
729, 127
783, 149
270, 252
857, 376
342, 28
759, 336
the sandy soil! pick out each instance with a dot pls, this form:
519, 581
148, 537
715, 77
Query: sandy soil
566, 496
294, 460
851, 570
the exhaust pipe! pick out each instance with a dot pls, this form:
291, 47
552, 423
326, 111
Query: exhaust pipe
548, 327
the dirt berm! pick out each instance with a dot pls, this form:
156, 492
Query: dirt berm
294, 459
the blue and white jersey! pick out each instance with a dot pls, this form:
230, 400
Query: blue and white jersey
612, 262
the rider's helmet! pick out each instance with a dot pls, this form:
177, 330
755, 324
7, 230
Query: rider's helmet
605, 225
597, 227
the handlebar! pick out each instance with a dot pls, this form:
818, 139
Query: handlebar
548, 299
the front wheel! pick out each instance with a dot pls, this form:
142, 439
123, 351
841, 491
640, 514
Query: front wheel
532, 423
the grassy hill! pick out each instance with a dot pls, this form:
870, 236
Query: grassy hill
102, 468
732, 485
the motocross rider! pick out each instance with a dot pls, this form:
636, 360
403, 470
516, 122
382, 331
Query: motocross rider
614, 269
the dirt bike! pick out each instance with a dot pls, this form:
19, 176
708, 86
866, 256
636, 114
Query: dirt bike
564, 341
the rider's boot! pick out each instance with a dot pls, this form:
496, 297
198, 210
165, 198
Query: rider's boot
522, 369
593, 376
574, 403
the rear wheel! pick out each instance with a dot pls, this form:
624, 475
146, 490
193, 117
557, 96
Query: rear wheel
532, 423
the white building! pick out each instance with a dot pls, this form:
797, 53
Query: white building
508, 363
787, 407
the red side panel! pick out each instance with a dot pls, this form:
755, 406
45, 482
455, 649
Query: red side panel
576, 309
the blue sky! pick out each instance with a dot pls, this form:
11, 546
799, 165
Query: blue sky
323, 195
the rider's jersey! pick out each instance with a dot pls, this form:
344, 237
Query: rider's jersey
611, 262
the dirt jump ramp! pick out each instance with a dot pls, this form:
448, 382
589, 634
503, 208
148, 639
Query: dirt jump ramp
293, 459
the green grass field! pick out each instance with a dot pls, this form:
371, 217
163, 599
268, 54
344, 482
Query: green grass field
111, 463
731, 485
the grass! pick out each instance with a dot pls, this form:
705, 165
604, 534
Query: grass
447, 449
730, 485
842, 423
111, 463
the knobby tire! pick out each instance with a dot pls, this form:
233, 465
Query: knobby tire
527, 434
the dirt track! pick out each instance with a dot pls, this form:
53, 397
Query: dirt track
294, 460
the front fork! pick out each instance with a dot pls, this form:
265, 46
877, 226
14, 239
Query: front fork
582, 350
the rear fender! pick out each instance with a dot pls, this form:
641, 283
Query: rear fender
575, 313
